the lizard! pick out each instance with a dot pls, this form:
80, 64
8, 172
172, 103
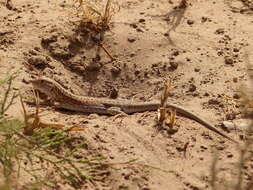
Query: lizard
69, 101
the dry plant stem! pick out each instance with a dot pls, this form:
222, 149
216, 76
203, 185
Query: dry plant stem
163, 109
106, 51
165, 95
162, 114
244, 158
173, 114
214, 173
29, 127
241, 163
5, 106
107, 11
185, 148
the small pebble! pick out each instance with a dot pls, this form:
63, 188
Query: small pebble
236, 96
131, 40
173, 65
196, 69
229, 60
142, 20
115, 70
114, 93
192, 88
235, 80
190, 22
229, 125
213, 101
220, 31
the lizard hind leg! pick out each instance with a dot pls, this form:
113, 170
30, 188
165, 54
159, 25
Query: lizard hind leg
117, 112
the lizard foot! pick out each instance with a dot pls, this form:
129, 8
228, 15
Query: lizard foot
117, 112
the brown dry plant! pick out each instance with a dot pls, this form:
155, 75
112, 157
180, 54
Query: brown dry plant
33, 121
95, 16
97, 12
166, 115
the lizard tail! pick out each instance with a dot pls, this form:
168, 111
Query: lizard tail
193, 116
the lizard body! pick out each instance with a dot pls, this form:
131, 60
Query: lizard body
70, 101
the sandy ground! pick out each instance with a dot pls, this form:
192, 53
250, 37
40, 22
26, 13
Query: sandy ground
204, 56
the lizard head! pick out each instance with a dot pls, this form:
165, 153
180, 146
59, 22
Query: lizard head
44, 85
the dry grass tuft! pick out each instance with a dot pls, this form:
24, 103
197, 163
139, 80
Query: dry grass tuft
95, 16
97, 12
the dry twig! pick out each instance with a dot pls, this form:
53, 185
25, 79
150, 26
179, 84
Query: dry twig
165, 114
